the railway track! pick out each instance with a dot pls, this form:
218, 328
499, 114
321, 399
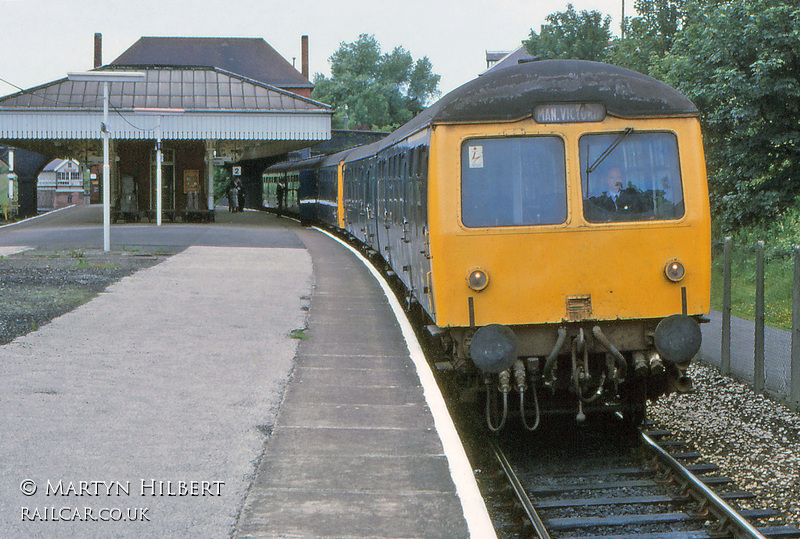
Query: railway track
646, 485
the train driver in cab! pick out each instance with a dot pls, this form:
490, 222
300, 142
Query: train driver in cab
612, 197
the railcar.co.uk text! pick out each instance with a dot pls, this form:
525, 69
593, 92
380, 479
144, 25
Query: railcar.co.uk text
96, 489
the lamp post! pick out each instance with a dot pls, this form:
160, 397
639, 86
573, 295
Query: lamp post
105, 77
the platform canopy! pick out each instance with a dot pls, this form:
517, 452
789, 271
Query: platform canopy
185, 102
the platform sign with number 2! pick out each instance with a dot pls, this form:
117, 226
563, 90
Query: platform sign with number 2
475, 156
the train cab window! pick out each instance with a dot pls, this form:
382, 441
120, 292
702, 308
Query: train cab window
631, 176
518, 181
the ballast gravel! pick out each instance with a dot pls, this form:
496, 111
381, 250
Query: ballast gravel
37, 285
753, 439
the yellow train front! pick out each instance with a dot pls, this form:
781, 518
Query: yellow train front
569, 238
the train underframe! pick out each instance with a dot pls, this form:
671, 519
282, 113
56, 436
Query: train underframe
578, 368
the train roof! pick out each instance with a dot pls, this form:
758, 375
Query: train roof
335, 158
512, 93
309, 162
318, 161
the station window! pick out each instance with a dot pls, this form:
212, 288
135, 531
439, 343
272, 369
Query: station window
518, 181
631, 176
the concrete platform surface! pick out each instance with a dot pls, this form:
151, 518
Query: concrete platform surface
144, 412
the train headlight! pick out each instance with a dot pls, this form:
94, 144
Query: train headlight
478, 279
674, 270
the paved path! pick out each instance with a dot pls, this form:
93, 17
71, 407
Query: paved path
777, 352
82, 227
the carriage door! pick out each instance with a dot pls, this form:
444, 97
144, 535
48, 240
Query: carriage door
372, 188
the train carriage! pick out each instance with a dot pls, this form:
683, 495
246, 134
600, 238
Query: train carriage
551, 219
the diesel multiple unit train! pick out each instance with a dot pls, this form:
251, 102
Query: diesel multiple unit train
550, 220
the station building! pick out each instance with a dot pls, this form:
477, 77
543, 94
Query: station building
203, 102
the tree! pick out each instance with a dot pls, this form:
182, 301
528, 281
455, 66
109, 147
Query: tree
380, 91
650, 35
222, 179
568, 34
739, 62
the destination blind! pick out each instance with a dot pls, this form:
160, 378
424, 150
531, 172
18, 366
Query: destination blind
564, 113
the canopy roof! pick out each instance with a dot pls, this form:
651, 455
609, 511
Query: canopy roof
194, 102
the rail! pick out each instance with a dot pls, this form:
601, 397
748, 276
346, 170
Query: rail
724, 513
522, 496
700, 505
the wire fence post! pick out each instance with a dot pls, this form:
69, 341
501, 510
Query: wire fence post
725, 359
794, 380
758, 368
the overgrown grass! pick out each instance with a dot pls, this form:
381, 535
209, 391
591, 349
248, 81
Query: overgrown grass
299, 334
778, 273
83, 264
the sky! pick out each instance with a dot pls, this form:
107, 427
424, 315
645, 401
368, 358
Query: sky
42, 40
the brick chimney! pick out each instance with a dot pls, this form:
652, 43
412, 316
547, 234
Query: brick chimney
304, 55
98, 49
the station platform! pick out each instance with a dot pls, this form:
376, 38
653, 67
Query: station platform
255, 384
355, 451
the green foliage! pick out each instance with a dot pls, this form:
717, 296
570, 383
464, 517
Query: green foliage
739, 62
778, 283
781, 233
569, 34
650, 35
222, 178
299, 334
375, 90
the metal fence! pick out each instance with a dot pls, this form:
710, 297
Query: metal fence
745, 347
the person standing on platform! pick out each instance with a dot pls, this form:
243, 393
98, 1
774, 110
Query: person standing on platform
233, 197
280, 192
239, 185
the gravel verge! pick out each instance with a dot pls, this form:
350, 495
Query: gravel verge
38, 285
753, 439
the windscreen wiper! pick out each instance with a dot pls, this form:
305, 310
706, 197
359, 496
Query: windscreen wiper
617, 142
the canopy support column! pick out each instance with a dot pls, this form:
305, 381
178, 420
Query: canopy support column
210, 169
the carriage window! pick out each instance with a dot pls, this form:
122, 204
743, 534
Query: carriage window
513, 182
630, 176
423, 161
